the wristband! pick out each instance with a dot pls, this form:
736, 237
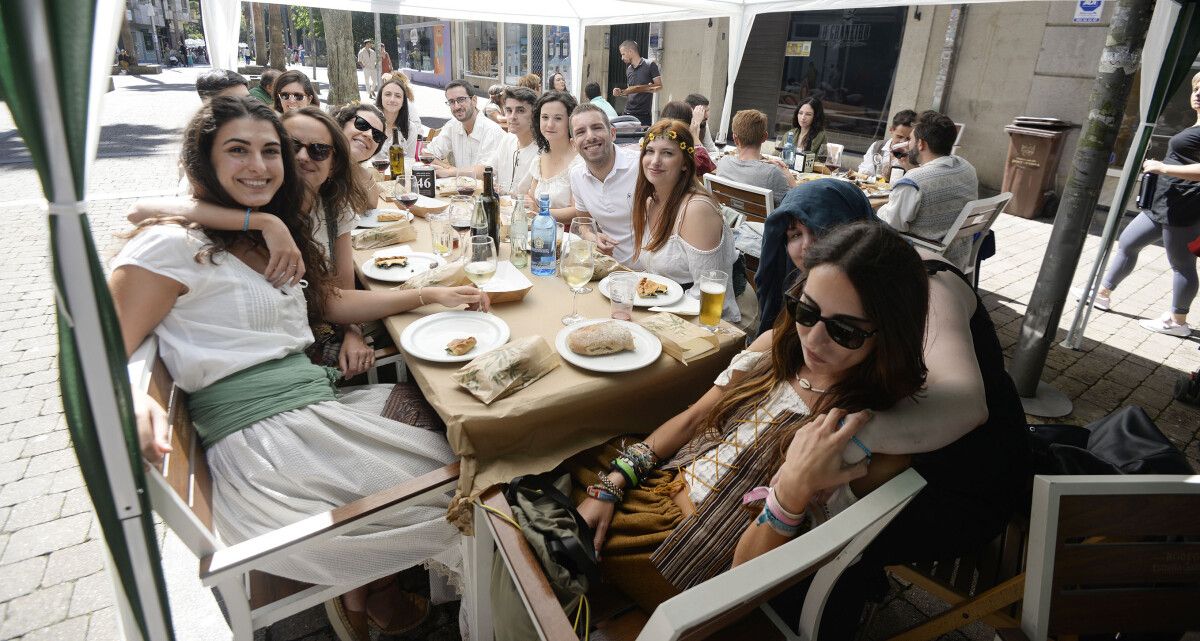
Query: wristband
778, 511
626, 469
600, 493
246, 222
775, 523
421, 295
611, 487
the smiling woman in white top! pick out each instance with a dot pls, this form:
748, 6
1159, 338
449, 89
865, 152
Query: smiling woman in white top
395, 101
550, 173
678, 230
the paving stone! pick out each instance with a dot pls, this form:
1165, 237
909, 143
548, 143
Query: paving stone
38, 610
51, 462
32, 424
21, 578
35, 511
67, 479
91, 593
25, 490
44, 443
10, 450
46, 537
103, 625
71, 629
77, 500
13, 470
74, 562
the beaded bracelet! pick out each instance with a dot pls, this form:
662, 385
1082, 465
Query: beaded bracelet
641, 457
611, 487
777, 524
600, 493
246, 222
862, 446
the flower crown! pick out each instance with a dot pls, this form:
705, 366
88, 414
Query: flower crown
688, 149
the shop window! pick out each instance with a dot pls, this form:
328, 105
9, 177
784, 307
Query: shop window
479, 48
847, 59
516, 52
415, 43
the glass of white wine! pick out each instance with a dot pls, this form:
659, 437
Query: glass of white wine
577, 266
585, 228
481, 260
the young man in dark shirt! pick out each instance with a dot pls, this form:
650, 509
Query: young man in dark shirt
643, 79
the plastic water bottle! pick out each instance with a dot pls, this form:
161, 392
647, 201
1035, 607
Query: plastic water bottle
543, 240
518, 236
788, 154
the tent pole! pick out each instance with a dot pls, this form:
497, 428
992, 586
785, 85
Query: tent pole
739, 31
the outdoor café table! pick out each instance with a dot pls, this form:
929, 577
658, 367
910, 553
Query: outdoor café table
563, 413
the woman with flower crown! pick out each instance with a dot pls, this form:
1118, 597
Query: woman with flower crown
678, 231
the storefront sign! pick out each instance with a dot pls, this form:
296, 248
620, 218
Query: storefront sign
798, 49
1088, 11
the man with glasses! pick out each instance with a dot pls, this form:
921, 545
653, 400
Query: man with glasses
517, 151
464, 140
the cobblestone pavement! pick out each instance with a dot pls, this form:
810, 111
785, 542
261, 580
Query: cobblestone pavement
52, 579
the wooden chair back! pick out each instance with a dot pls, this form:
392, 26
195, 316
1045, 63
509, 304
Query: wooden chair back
731, 596
755, 204
1113, 554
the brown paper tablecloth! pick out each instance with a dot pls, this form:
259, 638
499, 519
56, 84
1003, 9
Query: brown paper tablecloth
566, 411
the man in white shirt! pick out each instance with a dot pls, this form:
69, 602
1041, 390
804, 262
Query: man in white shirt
511, 159
898, 134
603, 186
369, 61
466, 138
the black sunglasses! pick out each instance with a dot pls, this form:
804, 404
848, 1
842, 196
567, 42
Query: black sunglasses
318, 151
361, 124
842, 332
288, 95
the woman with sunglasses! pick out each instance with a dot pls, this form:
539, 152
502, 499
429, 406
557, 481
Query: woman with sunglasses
965, 434
667, 509
294, 90
395, 101
678, 230
362, 124
322, 158
281, 443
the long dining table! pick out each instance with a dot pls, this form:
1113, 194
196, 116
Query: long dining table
563, 413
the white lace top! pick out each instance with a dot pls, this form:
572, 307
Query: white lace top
683, 263
703, 474
559, 186
231, 318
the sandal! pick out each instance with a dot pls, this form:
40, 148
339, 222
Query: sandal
408, 610
347, 624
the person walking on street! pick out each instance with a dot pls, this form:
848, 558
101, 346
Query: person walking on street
367, 59
642, 79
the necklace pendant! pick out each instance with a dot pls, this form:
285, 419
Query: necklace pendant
809, 386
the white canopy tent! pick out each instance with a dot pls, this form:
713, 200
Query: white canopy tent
221, 20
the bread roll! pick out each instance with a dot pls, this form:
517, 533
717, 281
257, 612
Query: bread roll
600, 339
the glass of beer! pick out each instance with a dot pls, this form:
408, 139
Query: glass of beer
712, 299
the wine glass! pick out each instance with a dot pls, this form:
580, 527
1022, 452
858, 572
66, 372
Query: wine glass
577, 266
712, 299
464, 181
404, 192
461, 208
585, 228
381, 164
481, 260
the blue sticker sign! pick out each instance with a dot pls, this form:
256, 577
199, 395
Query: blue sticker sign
1088, 11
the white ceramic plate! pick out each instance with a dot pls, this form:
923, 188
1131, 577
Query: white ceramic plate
674, 291
371, 217
427, 338
646, 350
418, 262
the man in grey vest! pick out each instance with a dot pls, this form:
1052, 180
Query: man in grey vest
931, 195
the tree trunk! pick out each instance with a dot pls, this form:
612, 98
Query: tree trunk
1118, 63
127, 41
260, 33
278, 53
340, 54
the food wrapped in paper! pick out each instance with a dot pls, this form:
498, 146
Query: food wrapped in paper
386, 235
604, 265
683, 341
448, 275
507, 369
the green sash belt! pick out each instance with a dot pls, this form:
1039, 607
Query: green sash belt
246, 397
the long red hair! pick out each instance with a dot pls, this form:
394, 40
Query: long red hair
674, 131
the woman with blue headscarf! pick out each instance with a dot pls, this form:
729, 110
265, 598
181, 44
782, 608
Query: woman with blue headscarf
965, 435
809, 211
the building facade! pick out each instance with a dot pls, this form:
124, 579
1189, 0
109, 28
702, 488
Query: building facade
153, 22
483, 53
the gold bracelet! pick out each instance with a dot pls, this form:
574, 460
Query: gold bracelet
421, 295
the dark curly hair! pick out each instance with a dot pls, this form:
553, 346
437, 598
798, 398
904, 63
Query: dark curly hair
198, 141
567, 101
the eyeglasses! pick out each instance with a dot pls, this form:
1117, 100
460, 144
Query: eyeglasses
842, 332
361, 124
287, 95
458, 101
318, 151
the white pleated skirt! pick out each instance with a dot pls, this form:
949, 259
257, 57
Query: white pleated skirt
302, 462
